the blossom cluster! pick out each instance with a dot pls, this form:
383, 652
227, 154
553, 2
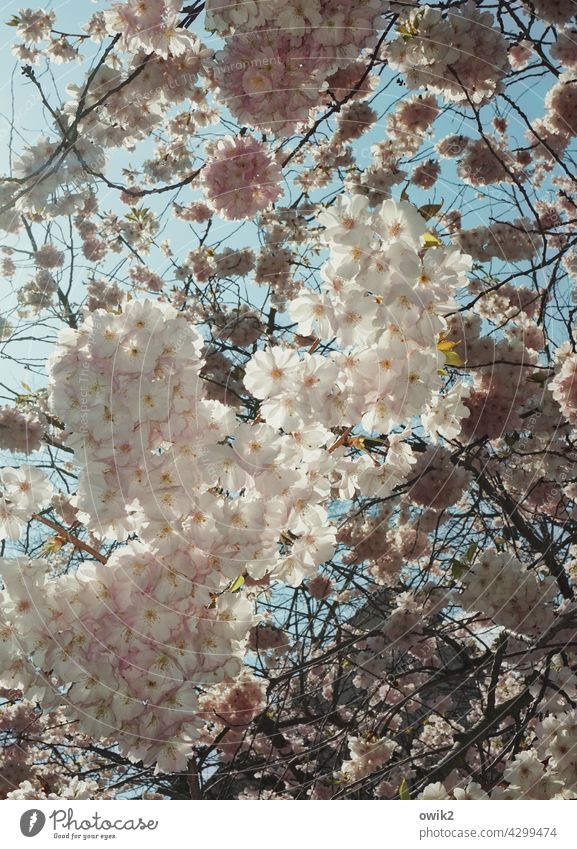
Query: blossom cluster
19, 431
24, 491
279, 57
458, 54
150, 25
156, 457
383, 297
501, 587
241, 177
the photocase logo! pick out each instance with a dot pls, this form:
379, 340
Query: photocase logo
32, 822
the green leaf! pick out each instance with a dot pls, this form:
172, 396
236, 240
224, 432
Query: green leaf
236, 584
404, 792
429, 209
431, 241
458, 569
138, 214
447, 345
453, 359
471, 551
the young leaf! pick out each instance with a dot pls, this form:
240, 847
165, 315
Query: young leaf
431, 241
404, 792
458, 569
236, 584
453, 359
447, 345
429, 209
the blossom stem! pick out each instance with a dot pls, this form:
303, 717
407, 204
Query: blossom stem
77, 543
340, 440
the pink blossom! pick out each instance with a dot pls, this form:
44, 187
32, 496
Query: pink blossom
241, 177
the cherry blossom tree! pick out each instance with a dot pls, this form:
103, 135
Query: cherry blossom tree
288, 496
